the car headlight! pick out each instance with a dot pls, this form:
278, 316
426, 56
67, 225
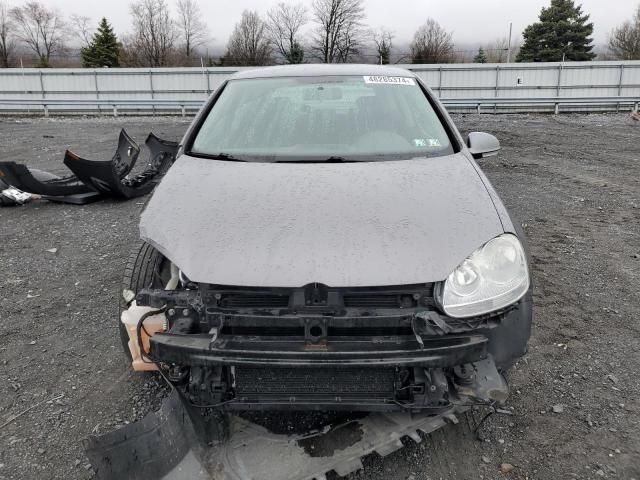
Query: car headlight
493, 277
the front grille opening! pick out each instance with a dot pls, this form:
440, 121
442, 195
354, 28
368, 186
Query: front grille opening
369, 331
360, 298
315, 331
314, 381
373, 300
254, 301
292, 331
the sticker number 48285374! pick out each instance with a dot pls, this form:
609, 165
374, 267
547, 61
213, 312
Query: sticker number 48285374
389, 80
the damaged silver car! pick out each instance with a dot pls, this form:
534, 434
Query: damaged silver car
327, 241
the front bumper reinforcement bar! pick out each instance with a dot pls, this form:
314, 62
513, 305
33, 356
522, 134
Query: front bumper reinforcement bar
198, 350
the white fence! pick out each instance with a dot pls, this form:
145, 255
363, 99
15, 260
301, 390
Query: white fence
463, 86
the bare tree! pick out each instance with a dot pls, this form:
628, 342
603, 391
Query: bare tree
7, 41
193, 31
350, 41
129, 56
624, 41
249, 43
497, 50
80, 28
339, 32
154, 33
432, 44
383, 40
40, 29
284, 21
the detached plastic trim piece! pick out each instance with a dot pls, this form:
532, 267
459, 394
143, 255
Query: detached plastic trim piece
19, 176
56, 188
170, 444
147, 449
107, 178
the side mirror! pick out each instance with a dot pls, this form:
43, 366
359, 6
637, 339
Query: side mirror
482, 145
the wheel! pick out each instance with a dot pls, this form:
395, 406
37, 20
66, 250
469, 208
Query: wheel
146, 267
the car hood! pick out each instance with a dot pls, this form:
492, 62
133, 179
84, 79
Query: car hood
345, 224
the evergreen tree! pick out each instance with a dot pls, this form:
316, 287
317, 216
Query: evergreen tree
103, 49
562, 31
481, 57
296, 54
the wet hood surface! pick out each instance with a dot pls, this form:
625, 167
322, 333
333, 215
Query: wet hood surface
351, 224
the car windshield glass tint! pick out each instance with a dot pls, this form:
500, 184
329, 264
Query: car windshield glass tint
337, 118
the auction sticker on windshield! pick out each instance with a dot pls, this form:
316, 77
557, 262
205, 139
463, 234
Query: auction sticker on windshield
389, 80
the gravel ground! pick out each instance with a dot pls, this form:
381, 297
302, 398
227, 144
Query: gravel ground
572, 180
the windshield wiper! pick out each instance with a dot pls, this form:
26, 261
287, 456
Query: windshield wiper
337, 159
225, 156
332, 159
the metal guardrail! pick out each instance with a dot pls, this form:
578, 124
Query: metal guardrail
98, 105
453, 82
556, 102
114, 104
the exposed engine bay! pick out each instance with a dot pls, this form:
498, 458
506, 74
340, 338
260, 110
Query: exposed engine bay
224, 350
315, 347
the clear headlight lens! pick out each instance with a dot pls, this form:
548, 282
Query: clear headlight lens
493, 277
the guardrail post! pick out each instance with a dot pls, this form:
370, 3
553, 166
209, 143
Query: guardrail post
153, 107
620, 81
478, 107
115, 110
95, 85
42, 84
495, 106
557, 109
559, 79
46, 107
635, 108
620, 85
183, 110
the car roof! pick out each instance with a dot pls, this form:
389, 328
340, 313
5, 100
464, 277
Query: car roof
322, 69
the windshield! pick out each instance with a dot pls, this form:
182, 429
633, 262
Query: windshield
338, 118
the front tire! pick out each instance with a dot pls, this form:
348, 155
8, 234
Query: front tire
146, 268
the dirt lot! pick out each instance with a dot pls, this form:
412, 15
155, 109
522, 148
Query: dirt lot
573, 181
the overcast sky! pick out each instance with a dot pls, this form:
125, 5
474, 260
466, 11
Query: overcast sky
472, 21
